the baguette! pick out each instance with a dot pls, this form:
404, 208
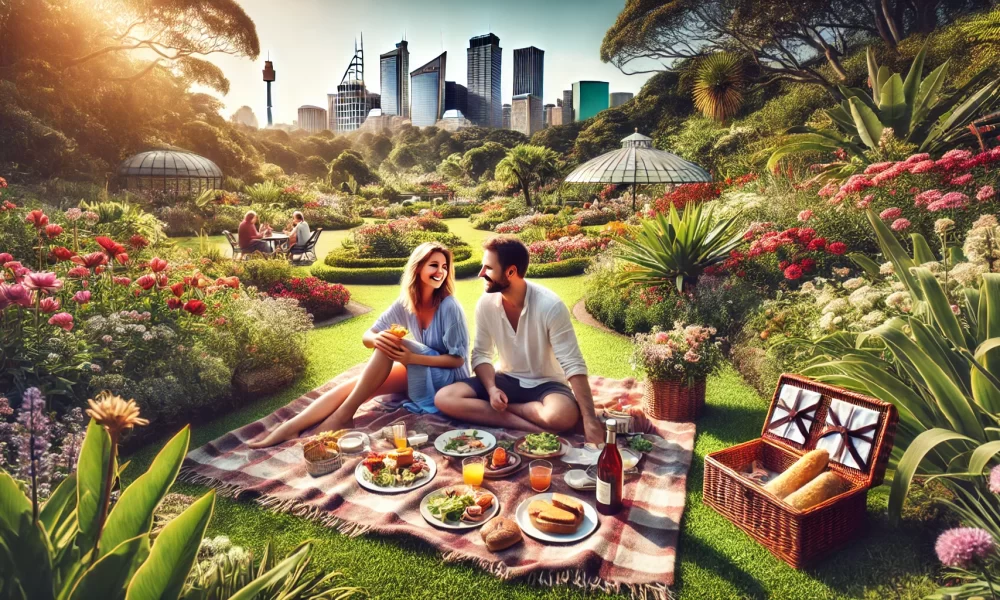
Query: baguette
800, 473
820, 489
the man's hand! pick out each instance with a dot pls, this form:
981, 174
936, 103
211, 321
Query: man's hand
593, 429
498, 399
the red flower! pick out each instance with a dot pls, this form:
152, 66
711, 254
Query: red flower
122, 258
5, 257
793, 272
157, 264
807, 264
49, 305
137, 242
8, 205
78, 272
837, 248
178, 289
64, 320
3, 182
81, 297
195, 307
62, 253
175, 303
146, 282
37, 218
53, 230
233, 282
110, 246
92, 260
122, 281
817, 244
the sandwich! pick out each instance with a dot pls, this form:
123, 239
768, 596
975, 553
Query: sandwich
500, 533
568, 504
561, 516
403, 458
398, 330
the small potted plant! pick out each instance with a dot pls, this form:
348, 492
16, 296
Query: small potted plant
676, 363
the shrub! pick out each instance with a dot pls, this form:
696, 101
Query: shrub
348, 258
628, 309
519, 224
330, 219
180, 221
453, 211
383, 275
261, 272
564, 268
579, 246
322, 300
380, 240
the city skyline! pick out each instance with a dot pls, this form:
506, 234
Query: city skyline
310, 41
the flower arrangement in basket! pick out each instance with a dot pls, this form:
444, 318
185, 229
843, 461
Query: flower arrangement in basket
676, 363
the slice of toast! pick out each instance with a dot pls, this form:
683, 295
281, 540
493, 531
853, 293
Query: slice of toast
554, 514
537, 507
567, 503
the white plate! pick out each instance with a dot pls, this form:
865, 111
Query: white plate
486, 437
587, 527
430, 518
368, 485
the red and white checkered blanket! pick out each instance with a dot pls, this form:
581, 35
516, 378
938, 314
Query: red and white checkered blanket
633, 551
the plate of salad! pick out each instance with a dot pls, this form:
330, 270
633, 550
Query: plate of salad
465, 442
390, 473
459, 507
541, 445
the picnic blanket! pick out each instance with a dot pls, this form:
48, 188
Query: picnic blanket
633, 551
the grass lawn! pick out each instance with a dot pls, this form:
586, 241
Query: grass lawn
716, 560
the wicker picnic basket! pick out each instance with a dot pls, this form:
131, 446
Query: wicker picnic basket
673, 400
799, 537
320, 460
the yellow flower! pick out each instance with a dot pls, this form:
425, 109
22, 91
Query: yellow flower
114, 413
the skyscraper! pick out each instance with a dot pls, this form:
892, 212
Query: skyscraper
567, 106
589, 98
619, 98
456, 97
529, 65
526, 114
395, 81
548, 115
484, 103
352, 97
312, 118
427, 92
505, 116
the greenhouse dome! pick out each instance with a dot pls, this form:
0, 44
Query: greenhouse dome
170, 171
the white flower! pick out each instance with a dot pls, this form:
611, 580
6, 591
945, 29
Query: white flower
967, 274
837, 306
887, 269
873, 319
855, 283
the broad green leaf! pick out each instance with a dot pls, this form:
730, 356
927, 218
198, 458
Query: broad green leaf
30, 553
162, 576
913, 77
13, 502
275, 574
894, 251
91, 473
884, 73
872, 72
892, 108
981, 457
912, 458
922, 252
869, 127
841, 116
940, 307
927, 97
988, 330
60, 504
869, 266
110, 575
797, 147
133, 513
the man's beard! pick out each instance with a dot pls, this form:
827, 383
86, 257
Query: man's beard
493, 286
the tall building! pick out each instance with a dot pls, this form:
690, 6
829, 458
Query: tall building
352, 97
619, 98
312, 118
484, 103
567, 106
505, 116
456, 97
529, 65
269, 75
548, 115
526, 114
589, 98
331, 111
395, 81
427, 92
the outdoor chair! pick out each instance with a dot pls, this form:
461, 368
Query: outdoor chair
237, 252
308, 250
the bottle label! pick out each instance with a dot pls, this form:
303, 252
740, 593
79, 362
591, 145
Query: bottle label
603, 492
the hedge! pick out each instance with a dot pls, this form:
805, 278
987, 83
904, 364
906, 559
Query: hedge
348, 258
384, 275
564, 268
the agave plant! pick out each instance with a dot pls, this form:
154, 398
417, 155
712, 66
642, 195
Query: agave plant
719, 86
938, 370
914, 108
263, 193
675, 249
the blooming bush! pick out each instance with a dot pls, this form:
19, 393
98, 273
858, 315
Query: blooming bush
579, 246
519, 224
321, 299
790, 255
605, 212
685, 353
681, 195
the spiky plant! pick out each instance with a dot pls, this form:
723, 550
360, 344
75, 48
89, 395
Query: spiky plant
719, 85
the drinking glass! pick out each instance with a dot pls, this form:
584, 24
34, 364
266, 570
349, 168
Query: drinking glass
540, 473
399, 435
473, 470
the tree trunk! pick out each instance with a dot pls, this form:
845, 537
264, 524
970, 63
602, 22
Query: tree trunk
526, 190
891, 21
882, 26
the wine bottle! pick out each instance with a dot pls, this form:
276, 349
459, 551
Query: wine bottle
610, 473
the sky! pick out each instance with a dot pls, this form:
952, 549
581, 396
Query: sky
312, 41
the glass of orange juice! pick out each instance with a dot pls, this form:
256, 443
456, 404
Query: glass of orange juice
473, 469
540, 472
399, 435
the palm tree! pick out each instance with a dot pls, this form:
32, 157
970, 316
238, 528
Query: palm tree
719, 85
528, 167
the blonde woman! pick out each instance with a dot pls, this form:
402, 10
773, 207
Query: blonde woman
436, 356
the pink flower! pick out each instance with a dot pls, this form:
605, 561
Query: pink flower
691, 356
856, 183
81, 297
49, 305
64, 320
961, 546
78, 272
53, 230
37, 218
43, 281
828, 190
16, 294
5, 258
921, 167
121, 258
146, 282
994, 482
122, 281
878, 167
985, 193
957, 154
92, 260
793, 272
174, 303
890, 214
805, 215
889, 174
157, 264
949, 201
900, 224
864, 202
962, 179
926, 197
661, 337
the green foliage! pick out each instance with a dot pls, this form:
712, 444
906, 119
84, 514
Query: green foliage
528, 167
348, 258
719, 85
480, 161
267, 192
707, 143
563, 268
261, 272
384, 275
350, 164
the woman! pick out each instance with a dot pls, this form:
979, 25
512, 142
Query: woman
436, 357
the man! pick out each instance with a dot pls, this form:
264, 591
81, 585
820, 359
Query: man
249, 238
531, 330
300, 233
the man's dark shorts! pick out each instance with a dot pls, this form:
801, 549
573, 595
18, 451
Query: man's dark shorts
517, 394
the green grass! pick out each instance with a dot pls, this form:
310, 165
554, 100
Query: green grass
716, 560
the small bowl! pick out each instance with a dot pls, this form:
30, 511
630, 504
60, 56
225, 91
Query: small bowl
352, 443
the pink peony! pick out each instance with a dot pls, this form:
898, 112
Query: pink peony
900, 225
49, 305
985, 193
805, 215
157, 264
146, 282
961, 546
793, 272
890, 214
43, 281
16, 294
64, 320
81, 297
123, 281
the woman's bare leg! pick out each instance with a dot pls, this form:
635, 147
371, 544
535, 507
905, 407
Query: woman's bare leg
381, 376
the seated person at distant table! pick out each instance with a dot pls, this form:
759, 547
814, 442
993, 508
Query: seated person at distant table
250, 239
299, 233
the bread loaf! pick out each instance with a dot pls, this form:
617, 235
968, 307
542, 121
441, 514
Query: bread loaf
500, 533
820, 489
800, 473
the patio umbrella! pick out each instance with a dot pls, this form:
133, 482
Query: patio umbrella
638, 162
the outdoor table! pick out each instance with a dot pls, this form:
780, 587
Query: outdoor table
276, 240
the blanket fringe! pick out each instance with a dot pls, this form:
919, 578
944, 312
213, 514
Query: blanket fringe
548, 578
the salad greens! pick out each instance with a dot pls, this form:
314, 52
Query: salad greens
450, 508
541, 443
461, 443
640, 444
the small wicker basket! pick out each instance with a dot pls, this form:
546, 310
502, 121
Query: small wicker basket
673, 400
320, 460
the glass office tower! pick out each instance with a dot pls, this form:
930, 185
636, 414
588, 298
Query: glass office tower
484, 102
395, 68
427, 92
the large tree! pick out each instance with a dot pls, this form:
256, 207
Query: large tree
787, 39
528, 167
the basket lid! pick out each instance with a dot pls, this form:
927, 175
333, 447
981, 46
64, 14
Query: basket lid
857, 430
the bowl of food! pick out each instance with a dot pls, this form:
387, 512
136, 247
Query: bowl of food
541, 445
319, 459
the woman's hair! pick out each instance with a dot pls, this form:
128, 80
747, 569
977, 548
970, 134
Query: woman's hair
409, 293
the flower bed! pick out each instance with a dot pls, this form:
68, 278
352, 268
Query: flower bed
519, 224
578, 246
322, 300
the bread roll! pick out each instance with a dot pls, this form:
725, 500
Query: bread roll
820, 489
800, 473
500, 533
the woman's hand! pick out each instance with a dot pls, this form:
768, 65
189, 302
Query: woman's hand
387, 342
402, 355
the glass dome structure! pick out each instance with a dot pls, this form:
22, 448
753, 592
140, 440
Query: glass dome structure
171, 171
638, 162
